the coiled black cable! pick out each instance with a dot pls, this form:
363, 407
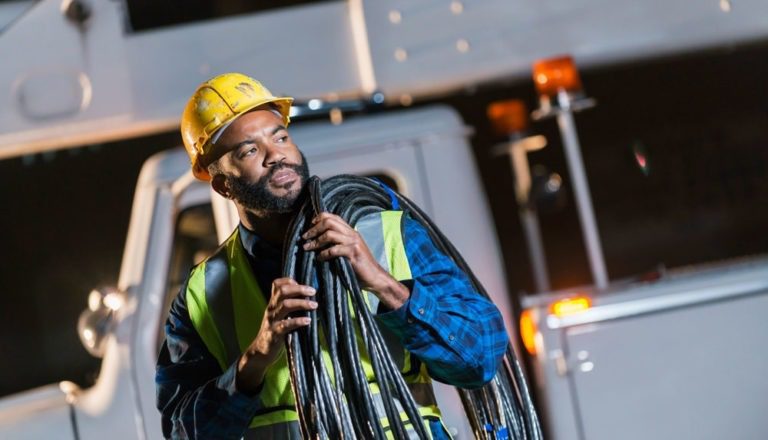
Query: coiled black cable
337, 402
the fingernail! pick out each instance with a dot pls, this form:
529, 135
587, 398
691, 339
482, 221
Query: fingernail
307, 320
313, 305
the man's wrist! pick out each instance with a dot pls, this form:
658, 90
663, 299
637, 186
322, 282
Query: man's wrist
248, 377
392, 293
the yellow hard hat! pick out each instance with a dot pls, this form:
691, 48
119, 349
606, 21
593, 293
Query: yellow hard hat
214, 105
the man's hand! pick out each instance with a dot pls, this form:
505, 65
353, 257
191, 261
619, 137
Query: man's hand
287, 297
330, 236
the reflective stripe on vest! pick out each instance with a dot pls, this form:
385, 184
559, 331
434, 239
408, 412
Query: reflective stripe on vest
422, 394
226, 306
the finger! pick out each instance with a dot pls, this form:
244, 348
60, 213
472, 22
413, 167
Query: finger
324, 222
281, 292
328, 238
324, 216
288, 325
283, 309
319, 220
332, 221
315, 230
279, 282
335, 251
284, 280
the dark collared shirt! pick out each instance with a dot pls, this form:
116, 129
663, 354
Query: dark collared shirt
445, 323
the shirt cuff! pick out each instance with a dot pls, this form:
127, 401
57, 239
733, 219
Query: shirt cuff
419, 307
228, 383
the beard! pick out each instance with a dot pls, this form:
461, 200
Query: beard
257, 196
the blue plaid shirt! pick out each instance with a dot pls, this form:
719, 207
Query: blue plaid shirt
445, 323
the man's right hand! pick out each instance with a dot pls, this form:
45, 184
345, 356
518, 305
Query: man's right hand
287, 297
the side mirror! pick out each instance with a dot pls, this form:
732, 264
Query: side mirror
98, 320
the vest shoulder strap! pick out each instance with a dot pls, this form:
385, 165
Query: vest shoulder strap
383, 233
205, 281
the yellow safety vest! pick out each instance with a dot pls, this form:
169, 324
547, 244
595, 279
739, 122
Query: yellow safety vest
226, 306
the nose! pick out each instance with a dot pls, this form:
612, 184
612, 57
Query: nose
273, 155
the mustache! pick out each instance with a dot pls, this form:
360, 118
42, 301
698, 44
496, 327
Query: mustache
280, 166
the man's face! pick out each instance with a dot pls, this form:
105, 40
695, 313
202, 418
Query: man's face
264, 170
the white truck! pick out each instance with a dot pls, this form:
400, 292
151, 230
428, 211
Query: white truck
73, 72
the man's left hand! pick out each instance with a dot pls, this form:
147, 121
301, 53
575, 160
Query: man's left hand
330, 236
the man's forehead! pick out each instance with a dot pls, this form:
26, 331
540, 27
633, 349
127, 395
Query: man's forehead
261, 118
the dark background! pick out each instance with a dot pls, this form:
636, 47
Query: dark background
702, 120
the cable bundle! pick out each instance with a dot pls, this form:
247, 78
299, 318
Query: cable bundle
337, 402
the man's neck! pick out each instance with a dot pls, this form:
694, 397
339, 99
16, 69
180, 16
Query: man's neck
269, 226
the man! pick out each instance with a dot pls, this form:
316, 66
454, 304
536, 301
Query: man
222, 371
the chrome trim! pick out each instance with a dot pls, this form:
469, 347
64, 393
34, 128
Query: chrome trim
663, 302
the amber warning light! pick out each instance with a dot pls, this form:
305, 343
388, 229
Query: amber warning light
554, 74
528, 331
570, 306
508, 117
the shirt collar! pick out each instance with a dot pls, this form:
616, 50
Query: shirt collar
256, 247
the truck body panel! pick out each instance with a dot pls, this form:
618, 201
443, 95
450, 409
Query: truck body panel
36, 414
679, 357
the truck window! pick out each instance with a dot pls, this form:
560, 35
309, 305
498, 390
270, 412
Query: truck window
194, 239
150, 14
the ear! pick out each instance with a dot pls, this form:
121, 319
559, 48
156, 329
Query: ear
219, 184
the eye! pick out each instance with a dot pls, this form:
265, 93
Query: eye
281, 139
249, 151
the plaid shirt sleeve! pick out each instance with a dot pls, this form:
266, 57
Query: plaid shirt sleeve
197, 399
446, 323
